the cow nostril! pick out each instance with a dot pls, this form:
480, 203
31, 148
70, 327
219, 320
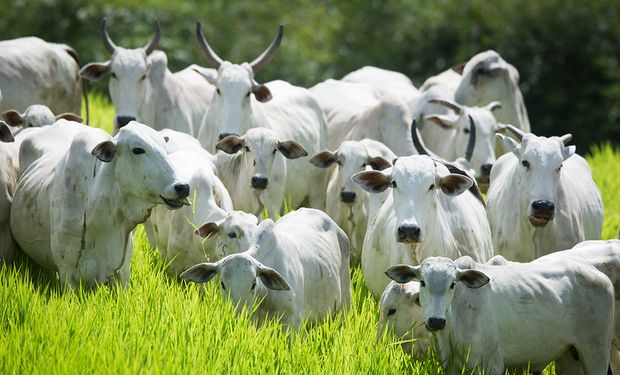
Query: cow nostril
124, 120
408, 233
224, 135
486, 169
543, 205
436, 323
182, 190
259, 182
348, 196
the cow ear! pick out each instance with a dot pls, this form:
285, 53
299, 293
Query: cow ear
324, 159
455, 184
105, 151
378, 163
292, 149
493, 106
567, 152
201, 273
442, 121
372, 181
207, 230
472, 278
5, 132
207, 73
95, 71
459, 68
261, 93
69, 117
272, 279
403, 273
13, 118
230, 144
511, 145
415, 298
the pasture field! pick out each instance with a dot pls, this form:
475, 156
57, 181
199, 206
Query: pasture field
160, 325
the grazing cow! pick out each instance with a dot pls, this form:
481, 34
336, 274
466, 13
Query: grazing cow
358, 110
173, 230
35, 116
429, 211
347, 203
262, 172
8, 181
74, 207
298, 267
541, 198
142, 87
35, 71
487, 77
520, 316
387, 81
232, 233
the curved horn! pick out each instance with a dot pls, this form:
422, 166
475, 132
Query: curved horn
153, 43
417, 141
472, 139
212, 58
105, 37
447, 103
566, 138
516, 131
266, 56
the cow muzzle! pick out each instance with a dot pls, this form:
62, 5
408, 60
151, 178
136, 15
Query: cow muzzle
259, 182
408, 233
541, 212
347, 196
124, 120
182, 192
435, 324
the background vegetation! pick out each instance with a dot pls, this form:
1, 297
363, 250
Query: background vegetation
567, 51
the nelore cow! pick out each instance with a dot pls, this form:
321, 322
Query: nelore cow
35, 116
142, 87
8, 181
74, 207
347, 202
480, 321
173, 229
35, 71
429, 211
359, 110
541, 198
298, 267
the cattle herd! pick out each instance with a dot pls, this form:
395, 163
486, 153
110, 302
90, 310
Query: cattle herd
391, 175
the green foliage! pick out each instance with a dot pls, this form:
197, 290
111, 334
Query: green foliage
566, 51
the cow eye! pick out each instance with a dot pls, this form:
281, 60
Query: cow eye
232, 235
452, 285
247, 95
431, 187
391, 312
393, 183
254, 163
466, 130
223, 286
560, 168
275, 150
143, 77
253, 286
137, 150
30, 125
217, 91
422, 283
526, 164
113, 75
247, 148
339, 162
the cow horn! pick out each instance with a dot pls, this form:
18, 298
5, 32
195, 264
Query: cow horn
516, 131
105, 37
472, 139
447, 103
417, 140
212, 57
266, 56
566, 138
153, 43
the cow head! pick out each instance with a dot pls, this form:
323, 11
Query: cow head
438, 278
417, 182
35, 116
132, 74
233, 232
351, 157
142, 167
540, 167
243, 279
231, 105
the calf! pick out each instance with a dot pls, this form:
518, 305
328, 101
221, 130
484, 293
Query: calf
233, 233
35, 116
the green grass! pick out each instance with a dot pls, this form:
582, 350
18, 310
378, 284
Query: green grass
160, 325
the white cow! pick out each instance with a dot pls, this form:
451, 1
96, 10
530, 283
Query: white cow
429, 211
347, 203
487, 78
142, 87
35, 116
262, 172
520, 316
173, 230
8, 181
298, 267
359, 110
387, 81
541, 198
75, 206
233, 233
35, 71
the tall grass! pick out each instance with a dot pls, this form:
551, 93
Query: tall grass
158, 324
